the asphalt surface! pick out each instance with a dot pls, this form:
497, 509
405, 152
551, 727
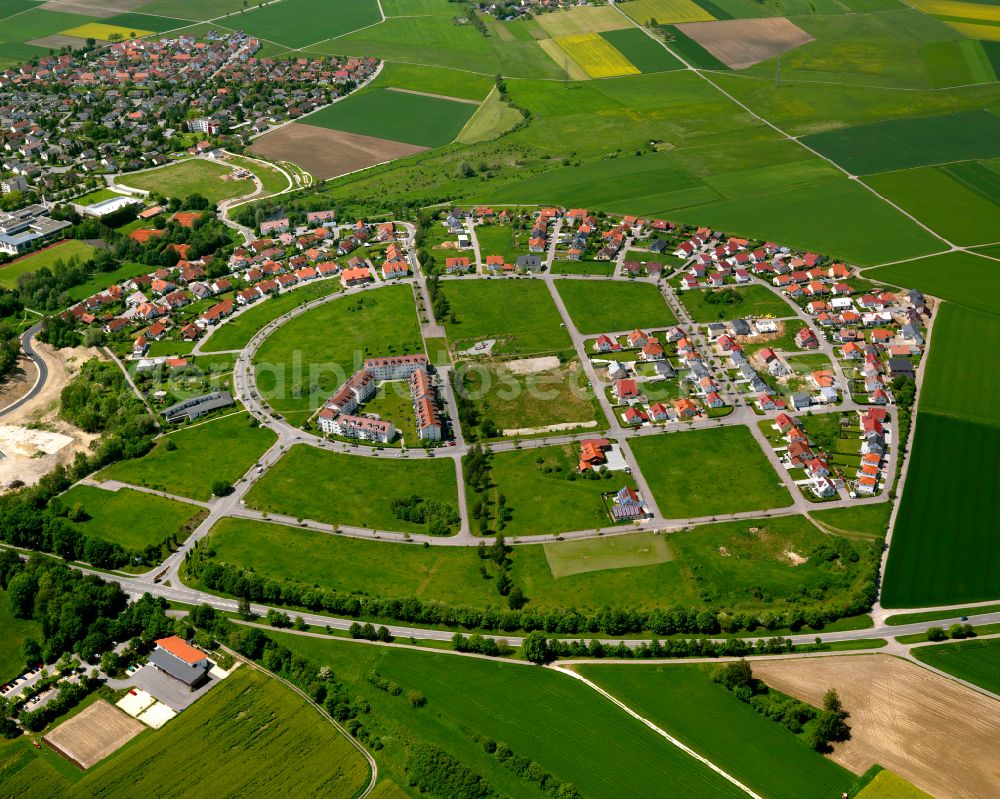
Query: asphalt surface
43, 371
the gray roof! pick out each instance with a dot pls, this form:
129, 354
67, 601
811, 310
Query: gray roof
198, 406
178, 669
529, 261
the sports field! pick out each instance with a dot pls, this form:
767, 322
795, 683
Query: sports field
62, 251
684, 701
302, 363
641, 50
480, 310
600, 306
301, 23
335, 488
977, 662
665, 11
188, 461
112, 515
595, 55
709, 472
543, 716
193, 176
397, 116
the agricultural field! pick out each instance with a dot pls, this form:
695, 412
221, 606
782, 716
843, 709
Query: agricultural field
598, 306
887, 785
301, 364
748, 301
961, 201
962, 278
543, 716
13, 632
642, 51
112, 515
188, 461
235, 333
684, 701
492, 119
282, 23
406, 117
973, 19
639, 570
977, 662
595, 55
193, 176
335, 488
664, 11
480, 310
105, 32
540, 497
584, 19
63, 251
742, 43
709, 472
250, 722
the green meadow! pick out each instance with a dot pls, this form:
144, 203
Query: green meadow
977, 662
604, 305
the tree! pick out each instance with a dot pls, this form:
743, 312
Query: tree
220, 488
21, 595
244, 607
516, 598
536, 647
31, 651
736, 674
936, 634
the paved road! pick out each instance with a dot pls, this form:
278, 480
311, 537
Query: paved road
27, 344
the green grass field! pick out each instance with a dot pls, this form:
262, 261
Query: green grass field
709, 472
603, 268
270, 739
235, 333
975, 661
193, 9
399, 116
481, 310
887, 785
113, 515
101, 280
755, 301
596, 306
223, 449
866, 521
947, 203
301, 23
491, 120
543, 716
639, 570
958, 277
270, 178
336, 488
193, 176
303, 362
643, 52
63, 251
684, 701
13, 631
903, 143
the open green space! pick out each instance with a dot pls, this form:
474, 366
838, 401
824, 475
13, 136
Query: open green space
434, 80
734, 302
13, 632
596, 306
143, 21
188, 461
236, 332
904, 143
709, 472
22, 25
644, 52
742, 566
480, 310
304, 361
194, 9
977, 662
959, 277
270, 739
499, 240
962, 205
399, 116
113, 515
543, 716
300, 23
63, 251
887, 785
953, 614
101, 280
271, 179
603, 268
332, 487
193, 176
688, 704
866, 521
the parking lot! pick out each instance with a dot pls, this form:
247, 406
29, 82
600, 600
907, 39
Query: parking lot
169, 691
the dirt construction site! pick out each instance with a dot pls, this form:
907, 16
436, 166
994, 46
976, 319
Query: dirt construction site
905, 718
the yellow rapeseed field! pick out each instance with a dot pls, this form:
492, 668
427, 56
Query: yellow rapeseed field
596, 55
104, 32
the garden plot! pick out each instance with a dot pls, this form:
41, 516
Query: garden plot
741, 43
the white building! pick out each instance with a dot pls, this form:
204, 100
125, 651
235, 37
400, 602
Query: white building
398, 367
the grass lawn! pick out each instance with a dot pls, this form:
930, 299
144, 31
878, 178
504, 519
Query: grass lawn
399, 116
596, 306
480, 310
223, 449
975, 661
867, 521
740, 302
235, 333
499, 240
332, 487
63, 251
493, 118
539, 496
604, 268
684, 701
304, 361
257, 726
325, 19
112, 515
13, 631
550, 718
708, 472
101, 280
743, 566
97, 196
192, 176
270, 178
